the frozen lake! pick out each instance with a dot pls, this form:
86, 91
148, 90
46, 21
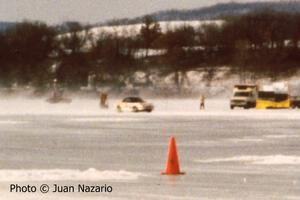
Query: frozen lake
226, 154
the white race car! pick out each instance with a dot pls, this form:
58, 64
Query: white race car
134, 104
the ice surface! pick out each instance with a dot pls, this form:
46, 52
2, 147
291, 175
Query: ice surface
10, 122
281, 136
226, 154
259, 160
66, 175
163, 107
106, 119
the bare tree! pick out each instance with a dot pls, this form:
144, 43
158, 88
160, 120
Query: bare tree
150, 31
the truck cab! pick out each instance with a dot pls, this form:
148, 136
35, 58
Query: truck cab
244, 96
295, 102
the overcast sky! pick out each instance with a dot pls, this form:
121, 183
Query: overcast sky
91, 11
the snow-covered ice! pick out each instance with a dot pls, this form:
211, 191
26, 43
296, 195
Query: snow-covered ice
226, 154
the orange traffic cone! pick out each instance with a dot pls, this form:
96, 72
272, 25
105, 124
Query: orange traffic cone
172, 167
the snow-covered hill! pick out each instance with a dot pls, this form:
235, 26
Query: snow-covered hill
220, 10
132, 30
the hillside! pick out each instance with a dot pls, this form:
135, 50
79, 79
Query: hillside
5, 25
215, 12
252, 46
134, 29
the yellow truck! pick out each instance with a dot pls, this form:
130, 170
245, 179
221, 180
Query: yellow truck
275, 96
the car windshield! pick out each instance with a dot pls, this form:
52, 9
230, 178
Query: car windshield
242, 94
244, 87
133, 100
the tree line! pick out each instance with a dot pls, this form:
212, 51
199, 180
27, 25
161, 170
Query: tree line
33, 53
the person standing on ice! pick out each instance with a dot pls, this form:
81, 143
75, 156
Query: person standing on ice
91, 81
103, 100
202, 102
55, 93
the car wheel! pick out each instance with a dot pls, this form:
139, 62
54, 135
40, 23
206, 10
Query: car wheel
119, 109
135, 109
231, 107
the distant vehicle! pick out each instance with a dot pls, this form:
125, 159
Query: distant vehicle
295, 101
134, 104
244, 96
274, 96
